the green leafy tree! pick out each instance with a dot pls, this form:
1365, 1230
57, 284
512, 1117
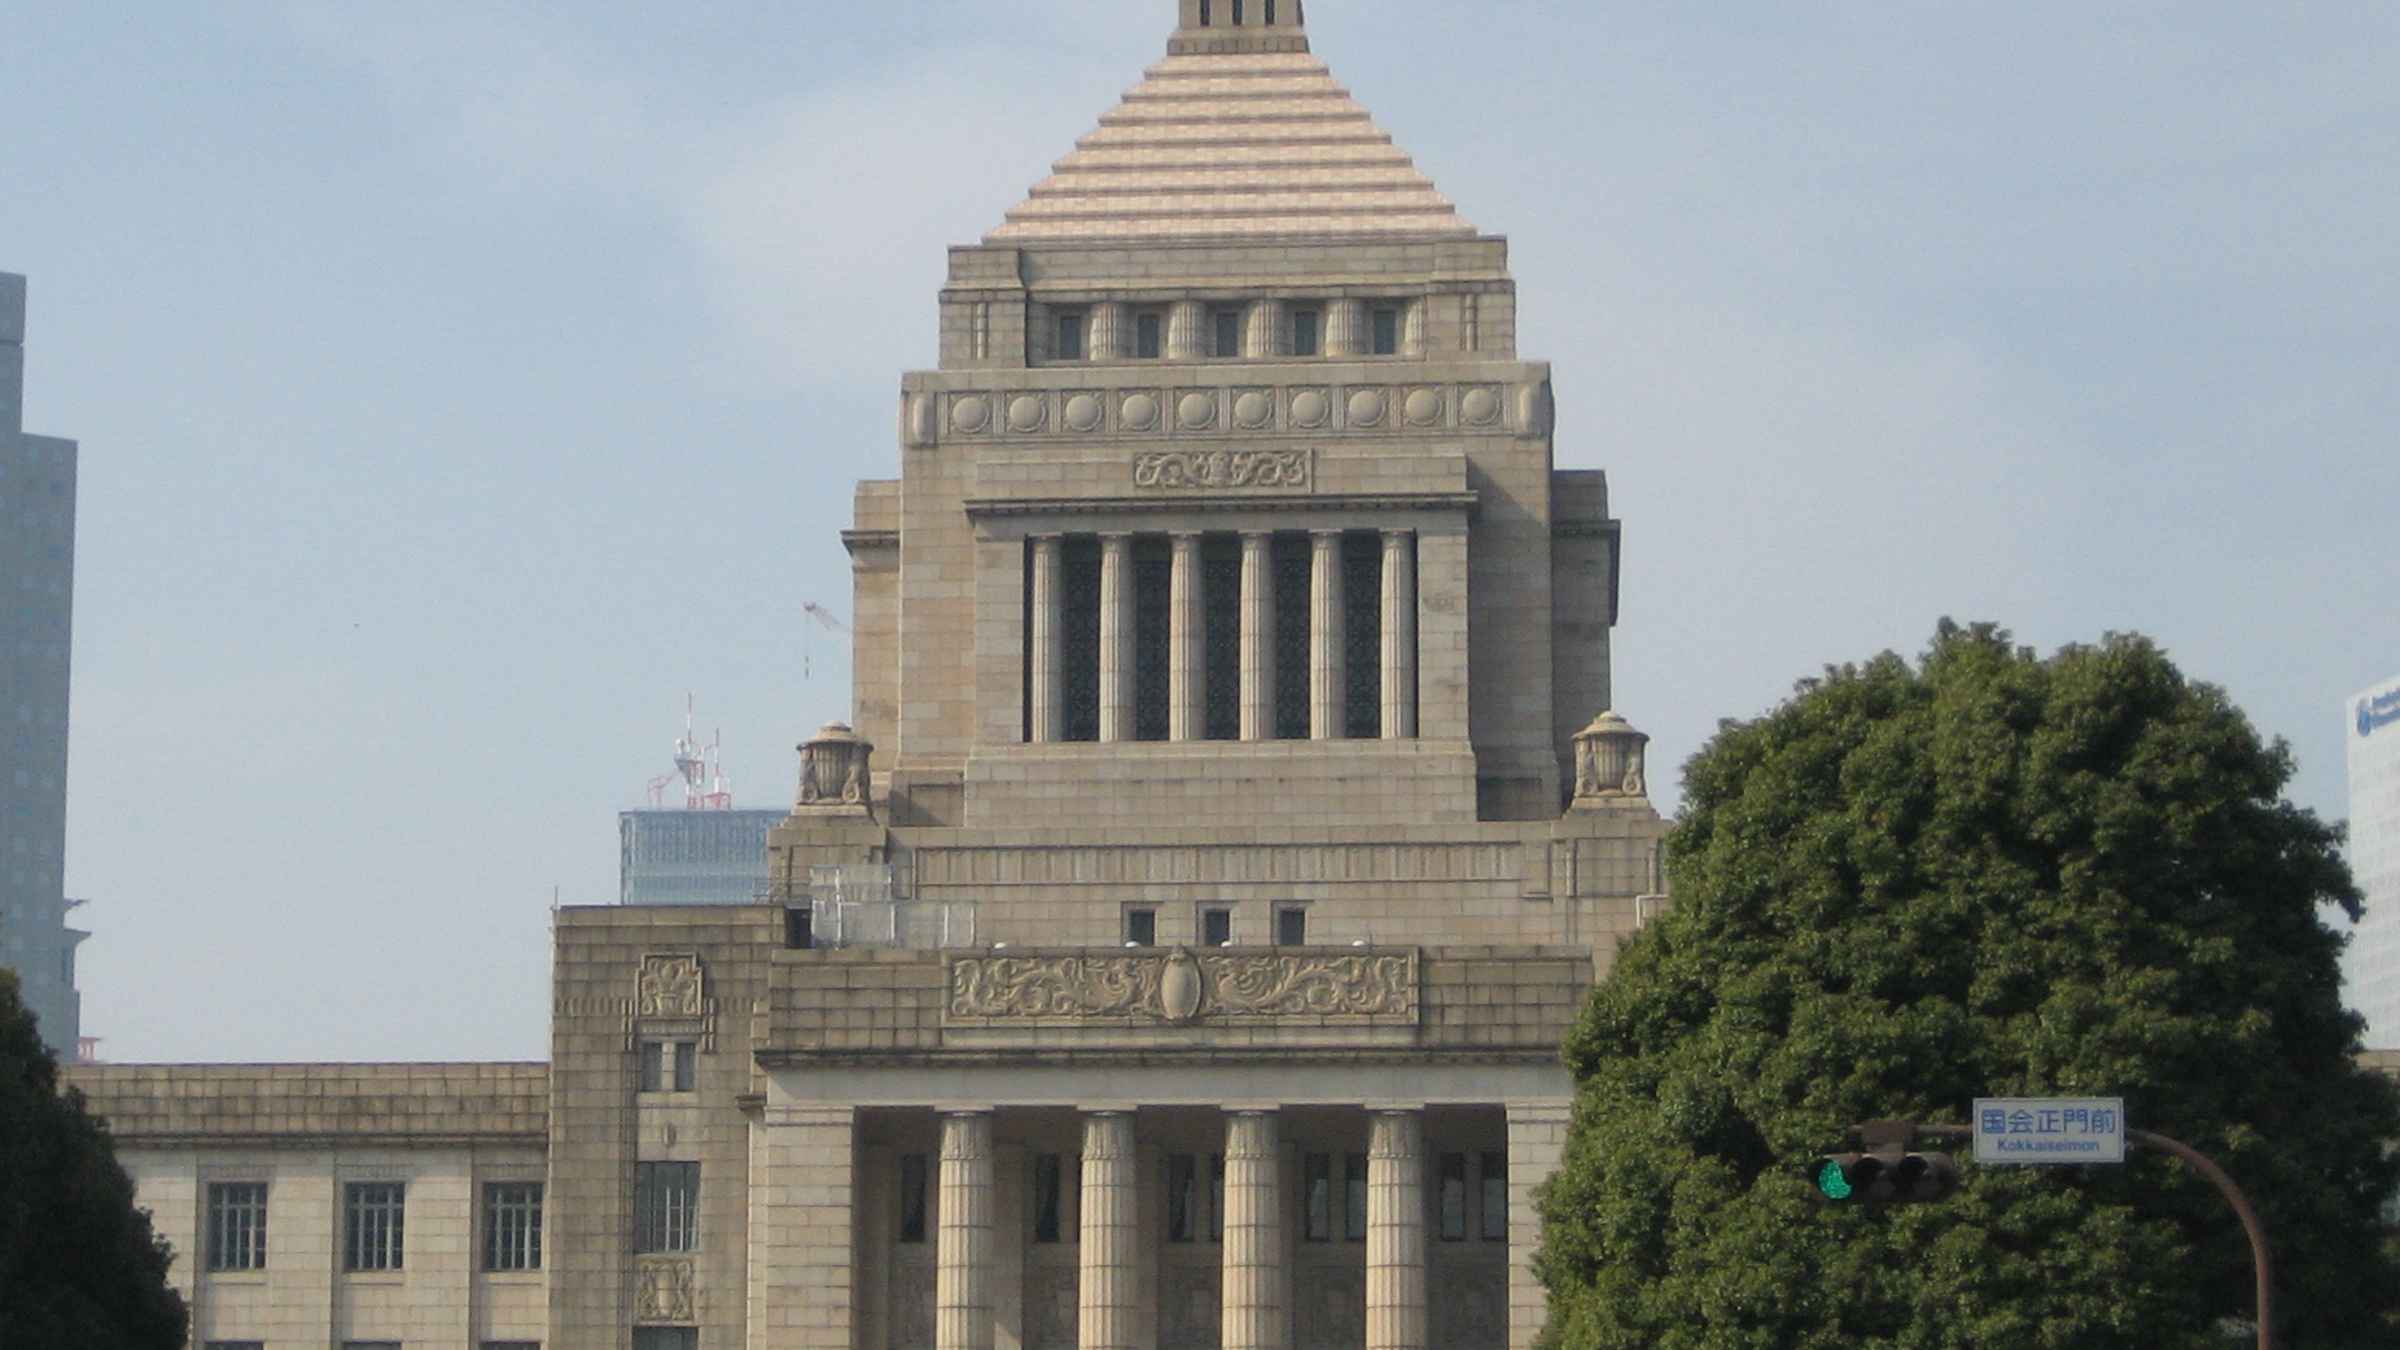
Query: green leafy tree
1986, 874
79, 1267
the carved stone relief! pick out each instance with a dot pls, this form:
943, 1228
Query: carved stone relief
1182, 987
1217, 470
669, 986
666, 1292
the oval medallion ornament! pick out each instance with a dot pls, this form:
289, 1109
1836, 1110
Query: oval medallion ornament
1309, 408
971, 413
1366, 407
920, 421
1179, 987
1252, 410
1083, 413
1424, 408
1025, 413
1479, 407
1140, 412
1197, 411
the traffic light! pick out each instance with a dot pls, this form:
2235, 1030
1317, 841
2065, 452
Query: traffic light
1885, 1178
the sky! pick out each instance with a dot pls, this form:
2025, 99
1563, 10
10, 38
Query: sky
460, 385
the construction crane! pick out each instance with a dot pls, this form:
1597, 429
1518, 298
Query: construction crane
826, 621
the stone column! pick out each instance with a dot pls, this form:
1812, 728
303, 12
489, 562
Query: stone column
1328, 690
1412, 333
1258, 637
1254, 1317
1187, 336
963, 1283
1109, 1297
1396, 1231
1106, 340
1048, 659
1399, 635
1346, 328
1116, 637
1187, 673
1266, 334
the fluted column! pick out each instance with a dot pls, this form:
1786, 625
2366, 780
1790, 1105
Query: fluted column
1399, 635
1253, 1273
1108, 331
1116, 637
1412, 334
1396, 1231
963, 1281
1258, 637
1265, 336
1187, 322
1187, 634
1327, 688
1045, 687
1109, 1298
1346, 328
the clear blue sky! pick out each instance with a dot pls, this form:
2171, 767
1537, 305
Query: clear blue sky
459, 384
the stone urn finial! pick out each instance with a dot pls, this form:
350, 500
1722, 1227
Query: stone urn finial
1611, 761
836, 771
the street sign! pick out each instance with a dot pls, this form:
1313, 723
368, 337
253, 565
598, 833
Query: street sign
2032, 1131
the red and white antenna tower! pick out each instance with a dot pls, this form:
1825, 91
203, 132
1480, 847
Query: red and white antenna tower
698, 768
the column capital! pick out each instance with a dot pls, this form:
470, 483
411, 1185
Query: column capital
1397, 535
1316, 532
1185, 537
1116, 536
1046, 536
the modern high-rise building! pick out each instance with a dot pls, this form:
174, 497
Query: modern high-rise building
37, 611
679, 857
2371, 969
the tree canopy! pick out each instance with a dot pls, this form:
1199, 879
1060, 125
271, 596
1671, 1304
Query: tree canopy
79, 1267
1981, 874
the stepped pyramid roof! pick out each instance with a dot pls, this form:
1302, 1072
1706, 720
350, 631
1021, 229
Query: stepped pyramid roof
1231, 145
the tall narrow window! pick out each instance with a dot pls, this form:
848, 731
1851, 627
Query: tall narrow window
1304, 331
237, 1225
1291, 926
1221, 636
1291, 557
666, 1207
912, 1198
1228, 323
1070, 336
1495, 1197
1362, 636
1451, 1201
1205, 16
1141, 927
1079, 624
512, 1225
1216, 927
1183, 1197
1153, 635
1316, 1197
1148, 340
687, 1066
1387, 331
1048, 1198
1237, 13
1216, 1197
800, 928
372, 1215
1354, 1196
1270, 13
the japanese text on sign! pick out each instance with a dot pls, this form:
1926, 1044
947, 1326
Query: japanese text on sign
2031, 1130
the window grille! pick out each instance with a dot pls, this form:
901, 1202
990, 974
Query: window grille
1495, 1197
1362, 635
237, 1225
1291, 561
1221, 626
1079, 678
373, 1214
1354, 1196
666, 1207
1452, 1199
512, 1225
1153, 589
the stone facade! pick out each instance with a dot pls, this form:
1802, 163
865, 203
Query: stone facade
1174, 948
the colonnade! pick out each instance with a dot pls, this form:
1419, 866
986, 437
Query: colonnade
1256, 617
1256, 1288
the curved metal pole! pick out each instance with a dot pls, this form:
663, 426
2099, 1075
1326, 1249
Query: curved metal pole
2261, 1259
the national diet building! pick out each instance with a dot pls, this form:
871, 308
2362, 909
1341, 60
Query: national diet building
1173, 946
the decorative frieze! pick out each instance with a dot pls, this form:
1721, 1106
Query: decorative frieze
1213, 412
669, 986
1181, 987
1224, 470
666, 1292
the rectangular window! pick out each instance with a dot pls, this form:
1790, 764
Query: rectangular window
1451, 1201
800, 928
1229, 333
1316, 1197
1387, 331
1141, 927
1216, 1197
1183, 1197
1070, 336
687, 1066
912, 1198
1149, 336
670, 1066
1216, 927
237, 1225
1048, 1187
666, 1207
654, 1071
512, 1345
1495, 1197
370, 1345
512, 1225
1354, 1196
666, 1338
1304, 332
237, 1345
372, 1217
1291, 926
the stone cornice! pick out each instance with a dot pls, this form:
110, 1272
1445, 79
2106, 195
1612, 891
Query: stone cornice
854, 540
987, 508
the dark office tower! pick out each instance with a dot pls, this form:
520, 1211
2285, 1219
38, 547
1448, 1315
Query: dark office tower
37, 576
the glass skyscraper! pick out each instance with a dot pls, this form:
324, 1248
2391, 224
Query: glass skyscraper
2372, 968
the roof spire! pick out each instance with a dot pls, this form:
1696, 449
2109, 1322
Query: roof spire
1221, 26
